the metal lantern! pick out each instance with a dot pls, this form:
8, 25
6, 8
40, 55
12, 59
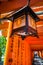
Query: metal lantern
20, 21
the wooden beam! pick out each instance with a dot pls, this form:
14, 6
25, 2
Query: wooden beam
17, 4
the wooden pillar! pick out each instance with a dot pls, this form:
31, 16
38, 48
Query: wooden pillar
8, 53
28, 54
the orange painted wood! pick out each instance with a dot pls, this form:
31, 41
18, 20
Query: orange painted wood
8, 53
12, 5
4, 25
23, 49
28, 53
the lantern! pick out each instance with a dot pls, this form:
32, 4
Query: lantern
21, 22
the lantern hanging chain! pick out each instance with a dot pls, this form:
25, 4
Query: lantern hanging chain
28, 2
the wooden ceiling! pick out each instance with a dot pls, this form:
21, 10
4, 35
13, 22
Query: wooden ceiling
9, 5
3, 0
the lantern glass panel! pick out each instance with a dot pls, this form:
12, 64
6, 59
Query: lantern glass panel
21, 23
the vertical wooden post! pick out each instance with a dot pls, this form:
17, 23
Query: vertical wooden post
28, 54
8, 59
